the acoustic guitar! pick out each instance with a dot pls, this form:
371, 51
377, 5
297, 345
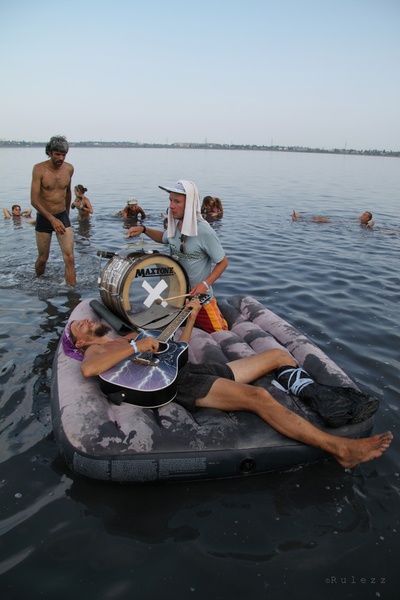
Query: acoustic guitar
145, 379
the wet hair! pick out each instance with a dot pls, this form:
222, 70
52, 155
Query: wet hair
58, 143
369, 213
80, 188
15, 206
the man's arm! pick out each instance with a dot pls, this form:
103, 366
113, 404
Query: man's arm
217, 271
190, 321
35, 191
98, 358
153, 234
68, 197
68, 193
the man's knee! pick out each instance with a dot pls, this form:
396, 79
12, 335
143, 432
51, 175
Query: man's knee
42, 259
280, 357
69, 261
258, 396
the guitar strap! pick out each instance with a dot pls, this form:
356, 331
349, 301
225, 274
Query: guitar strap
122, 327
174, 312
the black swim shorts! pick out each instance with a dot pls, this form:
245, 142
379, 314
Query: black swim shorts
43, 225
194, 381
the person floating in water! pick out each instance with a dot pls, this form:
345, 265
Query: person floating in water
133, 211
17, 213
365, 219
82, 203
212, 207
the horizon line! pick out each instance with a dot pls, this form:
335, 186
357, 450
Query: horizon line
207, 145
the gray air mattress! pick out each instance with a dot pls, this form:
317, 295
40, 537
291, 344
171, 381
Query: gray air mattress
126, 444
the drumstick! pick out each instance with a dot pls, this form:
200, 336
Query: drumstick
159, 300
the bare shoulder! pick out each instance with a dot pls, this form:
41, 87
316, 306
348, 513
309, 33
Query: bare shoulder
95, 349
40, 167
69, 167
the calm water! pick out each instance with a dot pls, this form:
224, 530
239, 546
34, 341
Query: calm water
312, 532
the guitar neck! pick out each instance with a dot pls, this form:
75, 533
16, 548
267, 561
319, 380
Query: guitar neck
173, 326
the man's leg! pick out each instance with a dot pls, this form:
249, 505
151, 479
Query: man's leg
230, 395
66, 241
250, 368
43, 241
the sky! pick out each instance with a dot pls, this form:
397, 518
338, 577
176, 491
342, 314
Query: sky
312, 73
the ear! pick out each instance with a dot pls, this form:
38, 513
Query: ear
80, 344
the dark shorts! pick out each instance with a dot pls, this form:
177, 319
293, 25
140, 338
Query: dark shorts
195, 381
43, 225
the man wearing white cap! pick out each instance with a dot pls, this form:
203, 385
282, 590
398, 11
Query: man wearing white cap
132, 210
196, 246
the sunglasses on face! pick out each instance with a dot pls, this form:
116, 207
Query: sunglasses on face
182, 246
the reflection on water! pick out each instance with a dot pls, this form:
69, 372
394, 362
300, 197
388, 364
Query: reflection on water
336, 282
84, 227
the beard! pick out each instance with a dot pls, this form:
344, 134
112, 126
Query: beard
101, 329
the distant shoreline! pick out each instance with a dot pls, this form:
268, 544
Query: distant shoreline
206, 146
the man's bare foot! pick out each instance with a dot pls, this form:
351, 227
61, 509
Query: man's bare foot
355, 452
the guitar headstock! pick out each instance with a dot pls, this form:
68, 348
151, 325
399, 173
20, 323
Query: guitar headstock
202, 298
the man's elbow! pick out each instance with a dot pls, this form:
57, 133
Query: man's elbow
88, 371
224, 262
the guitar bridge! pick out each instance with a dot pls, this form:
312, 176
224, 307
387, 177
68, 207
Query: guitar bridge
146, 362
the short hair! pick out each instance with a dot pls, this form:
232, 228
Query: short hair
370, 214
58, 143
15, 206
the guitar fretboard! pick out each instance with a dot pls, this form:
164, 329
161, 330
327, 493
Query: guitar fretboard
179, 319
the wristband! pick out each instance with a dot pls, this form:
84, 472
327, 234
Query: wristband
133, 344
206, 284
144, 229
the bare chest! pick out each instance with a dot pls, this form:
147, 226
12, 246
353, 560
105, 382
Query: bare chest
55, 180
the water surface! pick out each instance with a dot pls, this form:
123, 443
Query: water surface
315, 531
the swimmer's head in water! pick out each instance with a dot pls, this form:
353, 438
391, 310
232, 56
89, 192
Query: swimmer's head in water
57, 143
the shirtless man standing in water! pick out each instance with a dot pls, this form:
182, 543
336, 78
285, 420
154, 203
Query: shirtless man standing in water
51, 197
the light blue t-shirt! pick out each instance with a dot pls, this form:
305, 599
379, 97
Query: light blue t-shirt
199, 253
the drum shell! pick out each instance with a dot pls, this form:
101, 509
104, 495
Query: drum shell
126, 287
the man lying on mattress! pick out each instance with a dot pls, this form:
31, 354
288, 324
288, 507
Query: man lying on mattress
227, 387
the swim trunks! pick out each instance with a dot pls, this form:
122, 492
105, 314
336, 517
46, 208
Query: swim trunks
43, 225
194, 381
210, 318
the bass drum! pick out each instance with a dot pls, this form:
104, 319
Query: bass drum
130, 285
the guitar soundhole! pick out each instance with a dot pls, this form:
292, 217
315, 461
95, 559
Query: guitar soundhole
163, 346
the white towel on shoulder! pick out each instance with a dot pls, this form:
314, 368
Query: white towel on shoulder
192, 211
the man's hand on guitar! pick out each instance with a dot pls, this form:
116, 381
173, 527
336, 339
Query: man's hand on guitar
147, 344
195, 306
